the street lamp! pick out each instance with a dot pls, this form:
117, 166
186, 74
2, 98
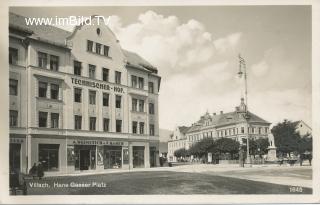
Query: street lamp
243, 72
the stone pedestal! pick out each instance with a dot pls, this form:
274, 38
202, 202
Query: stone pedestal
272, 154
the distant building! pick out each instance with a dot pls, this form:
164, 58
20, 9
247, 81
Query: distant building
232, 125
303, 128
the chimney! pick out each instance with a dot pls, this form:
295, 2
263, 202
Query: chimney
221, 112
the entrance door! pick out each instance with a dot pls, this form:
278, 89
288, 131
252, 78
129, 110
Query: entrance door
138, 156
152, 156
14, 157
84, 159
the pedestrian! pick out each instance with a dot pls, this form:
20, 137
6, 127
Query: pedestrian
40, 170
34, 170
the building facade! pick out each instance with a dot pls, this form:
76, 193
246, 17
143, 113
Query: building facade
78, 101
231, 125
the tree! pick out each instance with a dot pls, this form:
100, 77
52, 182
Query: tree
182, 152
258, 146
287, 139
224, 146
201, 148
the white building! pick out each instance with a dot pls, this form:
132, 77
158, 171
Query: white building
78, 101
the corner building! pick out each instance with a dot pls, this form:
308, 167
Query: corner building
78, 101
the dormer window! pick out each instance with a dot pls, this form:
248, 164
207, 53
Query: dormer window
89, 45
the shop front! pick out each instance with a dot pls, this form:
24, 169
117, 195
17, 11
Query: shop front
86, 155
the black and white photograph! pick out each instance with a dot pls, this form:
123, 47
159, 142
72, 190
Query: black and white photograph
147, 99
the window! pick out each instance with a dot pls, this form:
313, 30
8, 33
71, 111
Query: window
92, 97
118, 101
13, 56
259, 130
134, 81
49, 156
266, 129
54, 63
13, 118
105, 74
150, 87
151, 129
77, 67
89, 46
134, 127
42, 60
106, 122
77, 122
98, 48
141, 105
141, 83
117, 77
13, 85
92, 125
151, 108
105, 99
54, 120
106, 50
77, 95
92, 71
43, 119
54, 91
242, 130
141, 127
134, 104
118, 125
42, 89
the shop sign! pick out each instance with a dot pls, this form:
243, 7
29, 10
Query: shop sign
102, 86
16, 140
99, 142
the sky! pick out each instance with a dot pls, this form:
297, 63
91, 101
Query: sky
196, 48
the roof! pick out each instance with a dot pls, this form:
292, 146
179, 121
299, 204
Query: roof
58, 36
296, 123
226, 119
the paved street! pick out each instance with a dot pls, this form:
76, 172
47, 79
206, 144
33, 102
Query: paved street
189, 179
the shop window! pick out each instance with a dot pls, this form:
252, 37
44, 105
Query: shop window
92, 71
125, 156
141, 127
98, 48
105, 74
89, 45
77, 68
13, 85
106, 50
77, 122
118, 125
54, 62
151, 129
105, 99
141, 105
92, 125
49, 156
134, 81
118, 101
54, 91
54, 120
134, 127
134, 104
42, 60
106, 123
43, 119
113, 157
141, 83
43, 89
151, 108
13, 118
117, 77
13, 56
92, 97
150, 87
77, 95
